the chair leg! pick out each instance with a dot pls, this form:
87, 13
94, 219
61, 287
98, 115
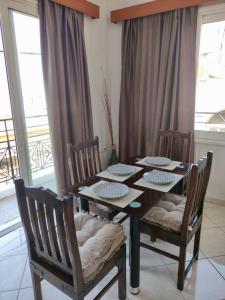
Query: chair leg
122, 284
36, 280
196, 243
181, 268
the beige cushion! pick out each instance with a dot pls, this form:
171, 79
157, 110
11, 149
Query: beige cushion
168, 213
98, 241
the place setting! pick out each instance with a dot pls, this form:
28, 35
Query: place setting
115, 193
119, 172
160, 162
159, 180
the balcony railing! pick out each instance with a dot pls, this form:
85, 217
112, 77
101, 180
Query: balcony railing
40, 150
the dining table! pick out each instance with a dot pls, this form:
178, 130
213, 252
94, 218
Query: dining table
146, 201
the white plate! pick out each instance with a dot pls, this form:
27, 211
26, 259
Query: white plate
121, 170
158, 161
159, 177
111, 190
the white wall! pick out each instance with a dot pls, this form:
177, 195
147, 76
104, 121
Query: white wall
97, 57
213, 141
103, 46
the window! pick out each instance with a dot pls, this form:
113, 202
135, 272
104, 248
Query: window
210, 92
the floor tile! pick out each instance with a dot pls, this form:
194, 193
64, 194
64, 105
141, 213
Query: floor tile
49, 292
216, 214
207, 223
202, 282
11, 271
157, 283
111, 294
26, 279
150, 284
8, 209
222, 228
212, 242
10, 295
209, 204
173, 250
219, 264
26, 294
13, 243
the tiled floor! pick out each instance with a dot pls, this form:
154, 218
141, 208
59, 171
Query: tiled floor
206, 280
8, 209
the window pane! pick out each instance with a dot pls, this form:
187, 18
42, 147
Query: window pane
210, 100
5, 111
9, 165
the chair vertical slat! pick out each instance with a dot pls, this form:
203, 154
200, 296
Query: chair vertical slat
25, 216
183, 149
35, 224
82, 165
88, 162
52, 233
43, 228
95, 167
171, 146
98, 156
62, 238
86, 158
175, 145
77, 169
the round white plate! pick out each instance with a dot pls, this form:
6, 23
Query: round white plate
121, 170
158, 177
158, 161
111, 190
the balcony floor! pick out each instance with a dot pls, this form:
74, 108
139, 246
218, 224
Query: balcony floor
8, 209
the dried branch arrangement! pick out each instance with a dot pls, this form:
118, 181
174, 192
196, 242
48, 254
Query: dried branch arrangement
106, 101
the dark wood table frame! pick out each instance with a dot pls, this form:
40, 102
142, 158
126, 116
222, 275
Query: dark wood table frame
148, 199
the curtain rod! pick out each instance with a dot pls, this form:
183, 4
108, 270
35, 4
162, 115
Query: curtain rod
84, 6
154, 7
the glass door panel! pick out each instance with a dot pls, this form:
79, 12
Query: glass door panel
9, 165
27, 39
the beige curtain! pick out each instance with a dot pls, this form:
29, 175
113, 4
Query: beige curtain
158, 79
66, 82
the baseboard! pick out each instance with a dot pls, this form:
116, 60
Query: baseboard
215, 201
10, 226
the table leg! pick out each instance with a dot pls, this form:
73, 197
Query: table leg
134, 254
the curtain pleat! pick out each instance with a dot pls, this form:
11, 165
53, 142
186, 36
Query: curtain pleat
158, 79
66, 82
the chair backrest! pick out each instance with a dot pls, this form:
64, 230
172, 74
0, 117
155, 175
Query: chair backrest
175, 145
50, 230
197, 187
84, 161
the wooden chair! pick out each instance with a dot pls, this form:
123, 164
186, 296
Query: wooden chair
84, 164
175, 145
176, 219
49, 225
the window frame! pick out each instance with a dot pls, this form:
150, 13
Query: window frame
208, 14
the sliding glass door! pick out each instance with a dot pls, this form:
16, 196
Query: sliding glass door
25, 146
26, 29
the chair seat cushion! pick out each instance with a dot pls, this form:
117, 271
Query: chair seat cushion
98, 241
168, 213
